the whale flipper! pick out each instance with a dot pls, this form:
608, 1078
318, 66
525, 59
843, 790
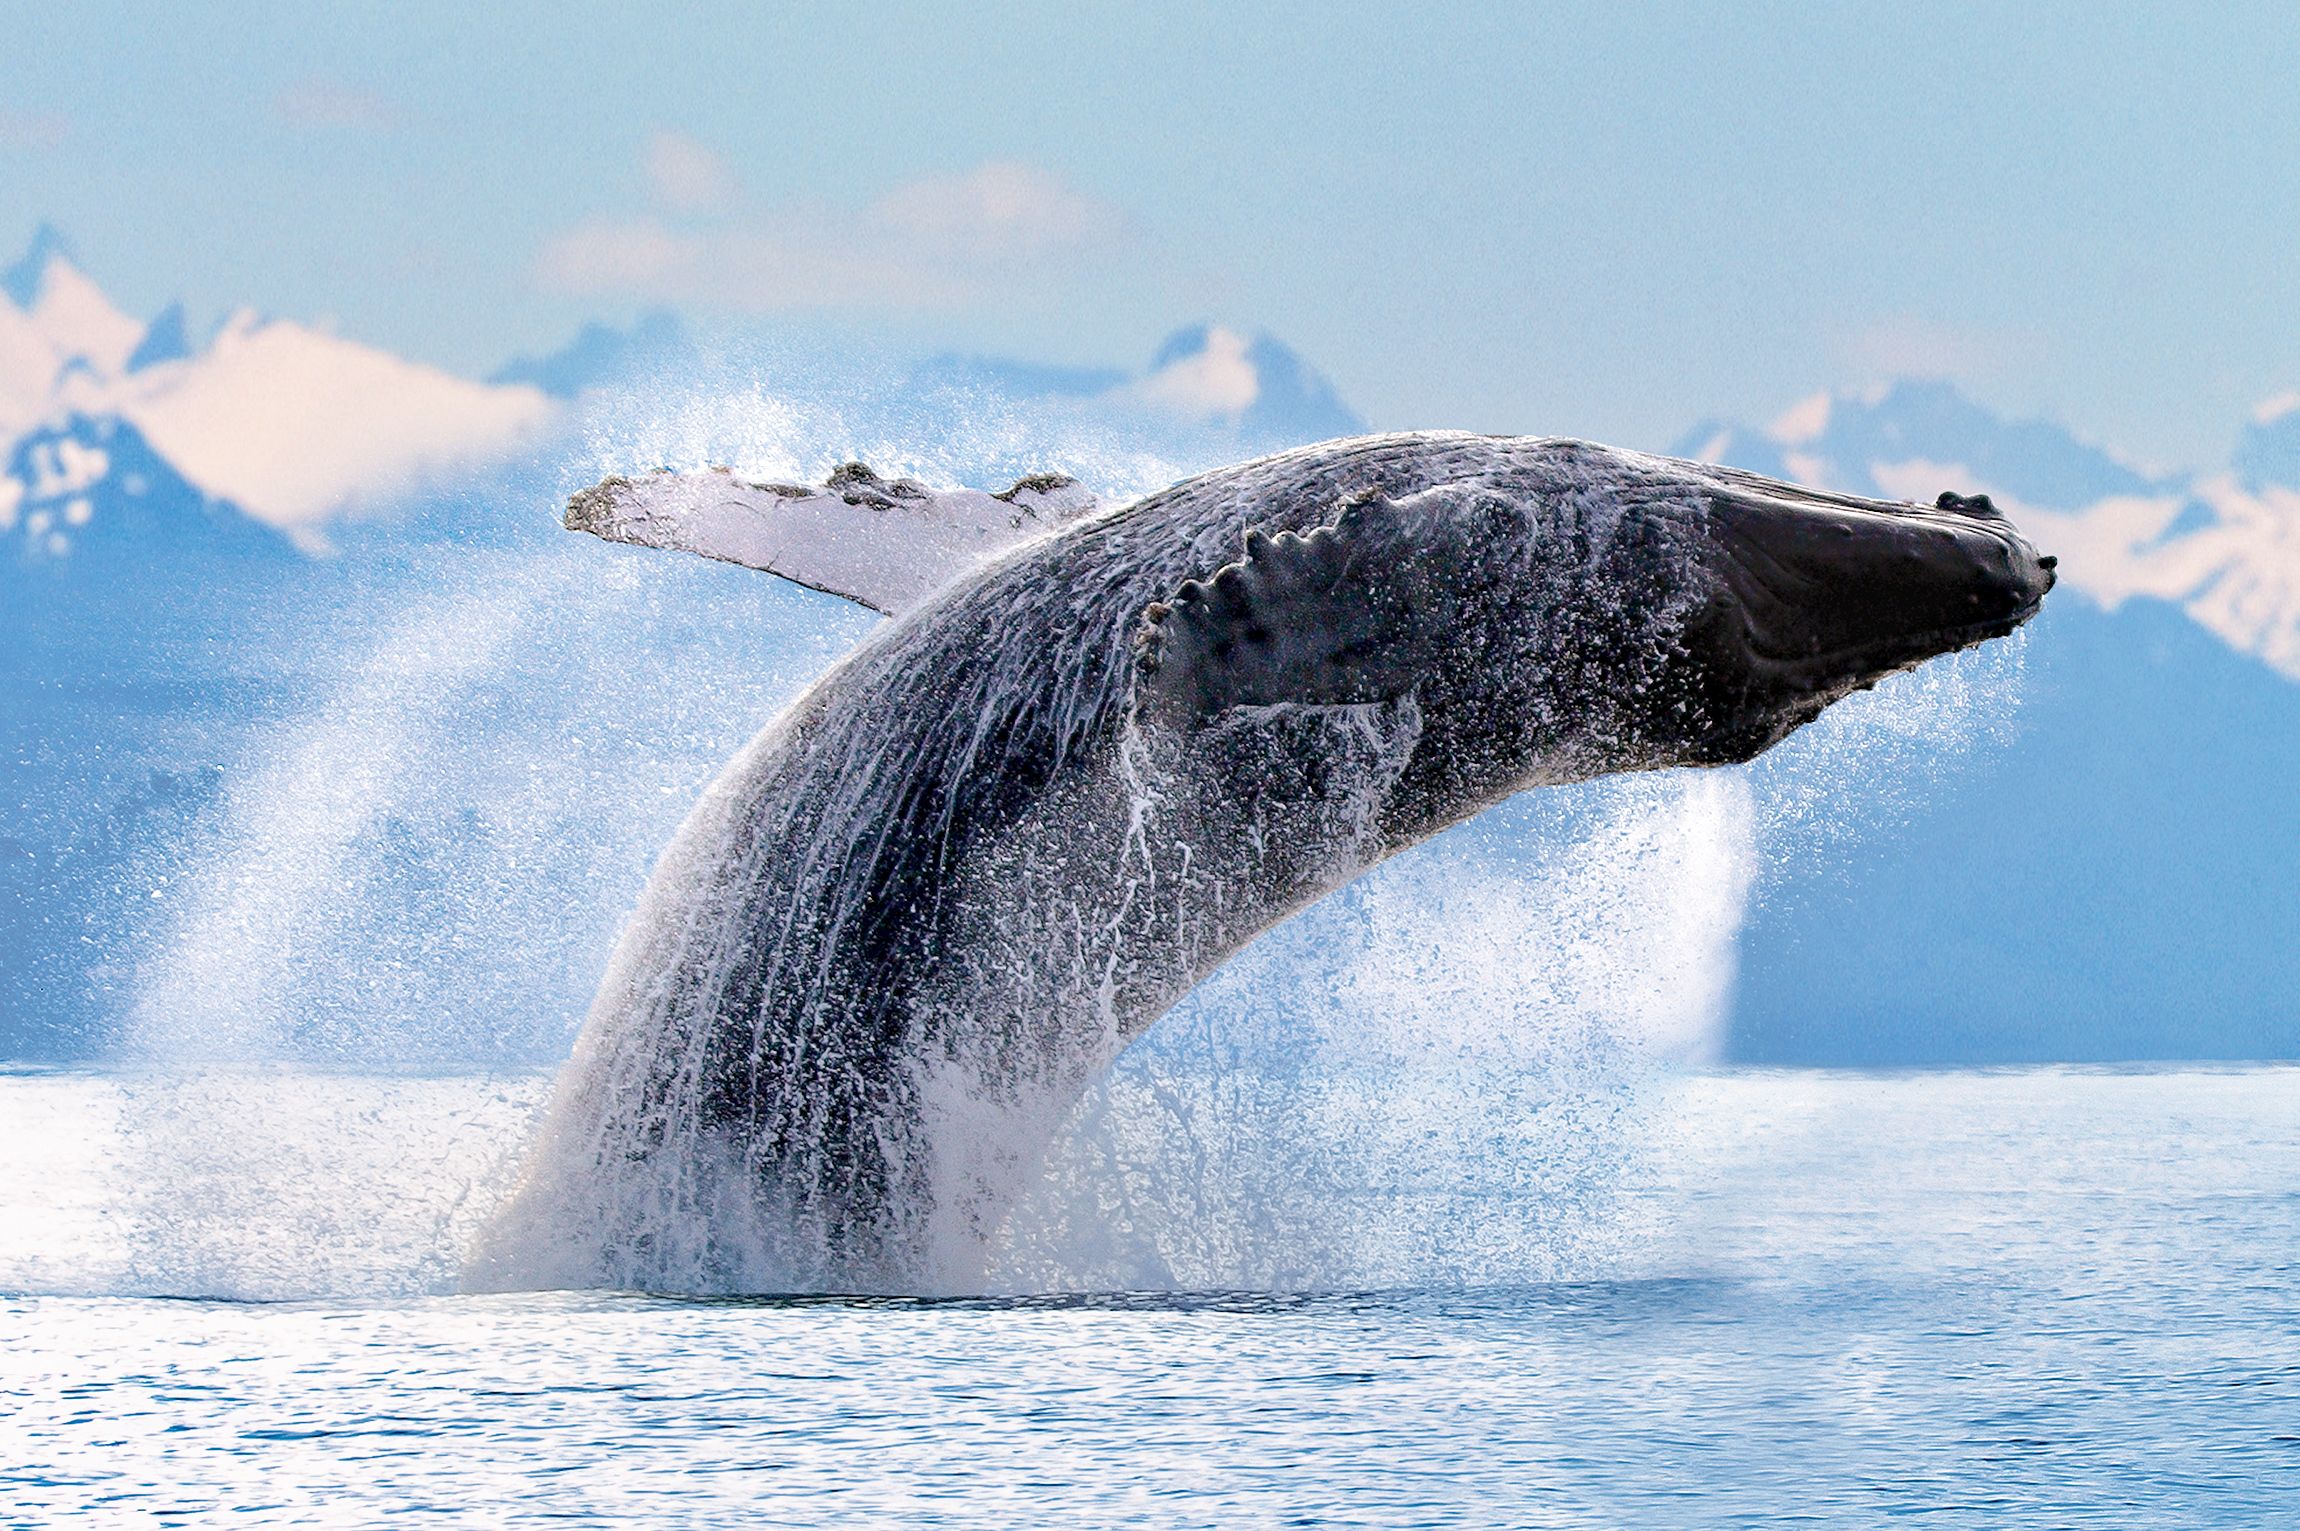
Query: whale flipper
1348, 613
885, 543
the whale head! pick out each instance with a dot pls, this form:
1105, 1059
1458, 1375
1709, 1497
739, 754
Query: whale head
1584, 612
1800, 598
1682, 614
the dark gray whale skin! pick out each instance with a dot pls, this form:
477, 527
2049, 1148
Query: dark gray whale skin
924, 909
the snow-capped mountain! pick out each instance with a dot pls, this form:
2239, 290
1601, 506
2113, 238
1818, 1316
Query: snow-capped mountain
1260, 387
2223, 547
285, 423
302, 430
67, 314
299, 426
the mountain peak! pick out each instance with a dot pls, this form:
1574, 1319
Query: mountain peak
1190, 340
91, 487
1844, 439
24, 281
66, 306
1262, 386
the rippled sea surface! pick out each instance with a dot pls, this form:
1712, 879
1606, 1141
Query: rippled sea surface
2050, 1298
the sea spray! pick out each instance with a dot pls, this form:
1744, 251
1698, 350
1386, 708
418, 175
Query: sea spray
422, 869
262, 917
1863, 767
1438, 1076
1561, 1065
415, 876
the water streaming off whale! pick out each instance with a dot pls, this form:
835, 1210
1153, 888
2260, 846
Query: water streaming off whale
1494, 1002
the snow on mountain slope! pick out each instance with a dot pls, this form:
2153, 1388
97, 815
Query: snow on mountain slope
2225, 549
291, 424
1261, 387
28, 365
297, 425
80, 322
91, 488
2226, 555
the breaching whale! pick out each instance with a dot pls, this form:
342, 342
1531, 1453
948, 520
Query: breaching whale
1099, 749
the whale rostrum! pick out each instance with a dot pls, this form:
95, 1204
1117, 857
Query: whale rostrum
1102, 747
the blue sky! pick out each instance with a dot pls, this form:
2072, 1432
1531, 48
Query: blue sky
1606, 220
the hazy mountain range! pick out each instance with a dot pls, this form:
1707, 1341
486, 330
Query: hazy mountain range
182, 518
301, 430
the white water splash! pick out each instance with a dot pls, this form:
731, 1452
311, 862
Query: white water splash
1438, 1076
251, 1184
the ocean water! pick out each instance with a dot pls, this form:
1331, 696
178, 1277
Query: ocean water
2030, 1298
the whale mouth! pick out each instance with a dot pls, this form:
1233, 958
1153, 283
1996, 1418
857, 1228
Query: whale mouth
1951, 639
1819, 595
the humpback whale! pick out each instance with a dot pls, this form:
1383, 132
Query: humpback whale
1098, 749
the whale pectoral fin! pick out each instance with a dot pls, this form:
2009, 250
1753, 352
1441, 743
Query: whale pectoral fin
1351, 612
885, 543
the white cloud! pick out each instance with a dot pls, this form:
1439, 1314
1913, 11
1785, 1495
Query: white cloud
999, 212
605, 256
747, 270
686, 176
936, 242
317, 103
